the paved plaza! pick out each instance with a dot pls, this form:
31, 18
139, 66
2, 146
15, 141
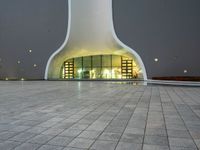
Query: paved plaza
59, 115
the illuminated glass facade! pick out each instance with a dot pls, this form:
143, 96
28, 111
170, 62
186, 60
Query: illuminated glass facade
100, 67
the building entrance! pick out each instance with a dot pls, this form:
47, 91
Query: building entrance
100, 67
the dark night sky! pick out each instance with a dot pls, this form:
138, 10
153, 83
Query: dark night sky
164, 29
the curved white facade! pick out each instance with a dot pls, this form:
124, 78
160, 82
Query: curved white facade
90, 33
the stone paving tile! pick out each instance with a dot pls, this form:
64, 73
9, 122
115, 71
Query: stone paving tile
60, 141
132, 138
71, 132
181, 148
71, 148
7, 134
128, 146
103, 145
79, 126
155, 147
114, 129
138, 131
52, 131
8, 145
47, 124
90, 134
81, 143
6, 127
156, 125
36, 130
178, 134
108, 136
26, 123
118, 123
181, 142
173, 126
27, 146
156, 140
97, 126
20, 128
50, 147
40, 139
22, 137
138, 124
156, 132
63, 125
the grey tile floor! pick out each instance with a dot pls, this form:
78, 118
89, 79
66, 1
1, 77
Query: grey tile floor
42, 115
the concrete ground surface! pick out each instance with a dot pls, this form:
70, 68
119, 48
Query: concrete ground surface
59, 115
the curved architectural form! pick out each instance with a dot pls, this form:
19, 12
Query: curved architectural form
91, 49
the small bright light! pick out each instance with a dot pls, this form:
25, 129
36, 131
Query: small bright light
35, 65
185, 71
30, 50
79, 71
18, 62
106, 73
156, 59
93, 74
22, 79
6, 79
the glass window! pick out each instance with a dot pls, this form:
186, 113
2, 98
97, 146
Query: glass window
106, 73
116, 61
96, 61
106, 60
116, 73
78, 62
87, 61
96, 73
86, 73
78, 73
